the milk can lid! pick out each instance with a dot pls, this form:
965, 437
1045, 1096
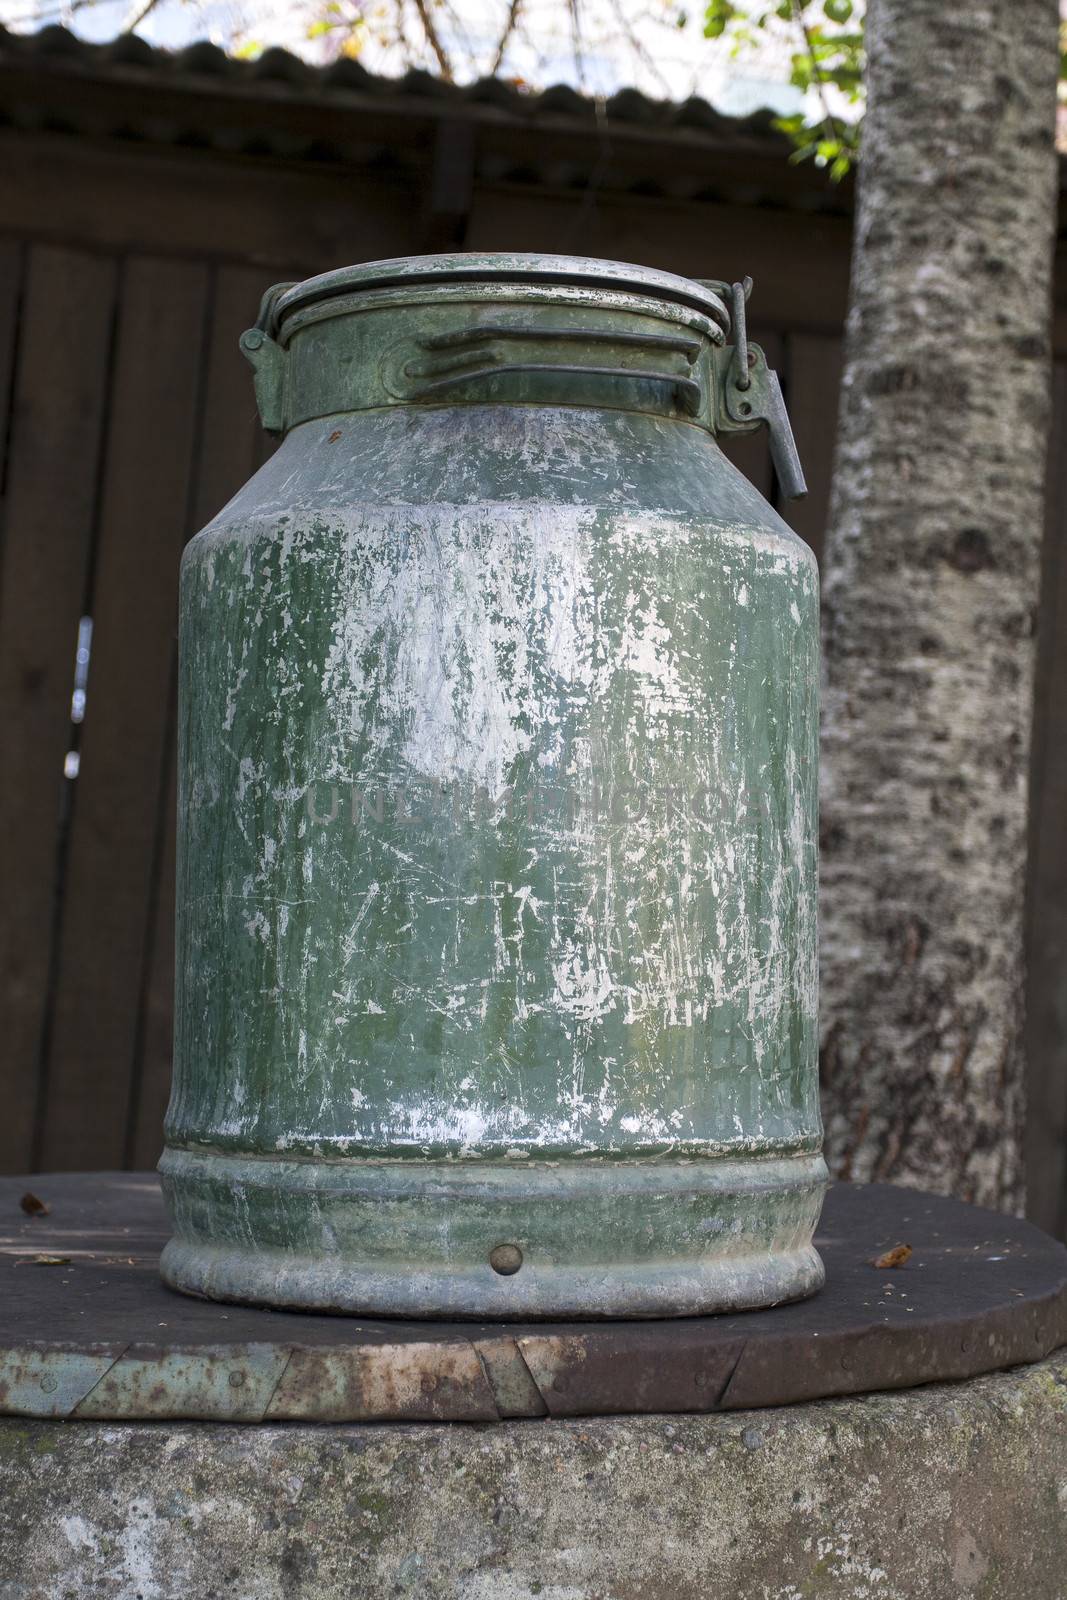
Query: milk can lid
709, 296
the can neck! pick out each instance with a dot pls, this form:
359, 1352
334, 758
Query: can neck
455, 347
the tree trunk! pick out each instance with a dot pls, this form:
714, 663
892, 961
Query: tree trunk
930, 594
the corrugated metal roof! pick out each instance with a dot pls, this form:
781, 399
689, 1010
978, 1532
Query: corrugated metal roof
279, 70
280, 107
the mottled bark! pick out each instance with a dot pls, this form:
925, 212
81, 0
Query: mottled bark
930, 592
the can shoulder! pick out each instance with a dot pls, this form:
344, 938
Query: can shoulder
554, 457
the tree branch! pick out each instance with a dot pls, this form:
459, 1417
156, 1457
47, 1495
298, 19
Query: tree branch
576, 42
433, 38
633, 39
136, 16
829, 121
509, 28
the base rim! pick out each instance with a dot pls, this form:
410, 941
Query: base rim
577, 1240
276, 1278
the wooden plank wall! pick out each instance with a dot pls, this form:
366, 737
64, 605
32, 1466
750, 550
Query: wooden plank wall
126, 277
131, 422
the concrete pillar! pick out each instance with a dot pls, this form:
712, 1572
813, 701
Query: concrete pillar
934, 1493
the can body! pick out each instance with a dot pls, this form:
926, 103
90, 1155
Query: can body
497, 976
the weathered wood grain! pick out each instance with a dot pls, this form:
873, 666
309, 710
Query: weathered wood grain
59, 402
156, 414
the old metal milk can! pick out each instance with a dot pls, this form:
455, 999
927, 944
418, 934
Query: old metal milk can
496, 887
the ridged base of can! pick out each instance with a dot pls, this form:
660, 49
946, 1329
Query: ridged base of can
291, 1282
586, 1237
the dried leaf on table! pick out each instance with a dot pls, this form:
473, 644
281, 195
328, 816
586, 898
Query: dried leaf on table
893, 1258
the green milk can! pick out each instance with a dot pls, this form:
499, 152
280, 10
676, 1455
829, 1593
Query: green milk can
496, 971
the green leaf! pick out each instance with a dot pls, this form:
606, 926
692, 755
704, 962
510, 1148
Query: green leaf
718, 14
830, 53
849, 79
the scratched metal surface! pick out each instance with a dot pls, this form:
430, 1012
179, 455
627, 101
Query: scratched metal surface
497, 824
96, 1334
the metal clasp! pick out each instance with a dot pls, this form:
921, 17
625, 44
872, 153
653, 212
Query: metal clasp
739, 293
752, 394
268, 361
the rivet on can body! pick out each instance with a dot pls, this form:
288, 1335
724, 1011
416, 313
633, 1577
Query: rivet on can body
505, 1259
